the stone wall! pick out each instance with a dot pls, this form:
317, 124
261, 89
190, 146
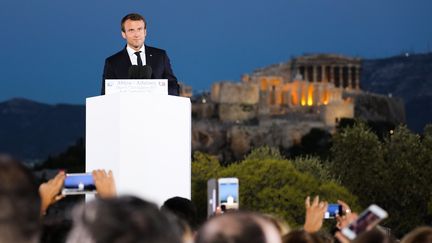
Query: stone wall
235, 93
332, 113
236, 112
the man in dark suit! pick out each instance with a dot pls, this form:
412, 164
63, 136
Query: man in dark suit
134, 31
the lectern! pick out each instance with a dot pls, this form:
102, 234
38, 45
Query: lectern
145, 140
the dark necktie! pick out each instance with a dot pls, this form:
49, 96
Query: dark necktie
139, 58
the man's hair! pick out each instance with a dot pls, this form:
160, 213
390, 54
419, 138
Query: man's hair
125, 219
133, 17
421, 234
301, 236
182, 208
19, 202
232, 227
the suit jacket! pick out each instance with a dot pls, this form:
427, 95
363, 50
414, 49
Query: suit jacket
117, 67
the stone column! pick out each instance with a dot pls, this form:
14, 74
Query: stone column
332, 79
357, 78
350, 86
314, 73
323, 74
297, 72
341, 76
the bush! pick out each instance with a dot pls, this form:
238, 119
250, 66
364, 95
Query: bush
269, 184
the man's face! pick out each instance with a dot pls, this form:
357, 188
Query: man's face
134, 33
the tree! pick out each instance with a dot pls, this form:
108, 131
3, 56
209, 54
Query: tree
394, 173
408, 178
357, 160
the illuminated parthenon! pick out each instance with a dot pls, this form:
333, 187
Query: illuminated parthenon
315, 82
310, 80
342, 72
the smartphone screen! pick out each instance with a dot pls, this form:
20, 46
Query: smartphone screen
228, 193
80, 183
333, 209
366, 221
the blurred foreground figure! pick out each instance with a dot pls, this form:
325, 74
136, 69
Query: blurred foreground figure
20, 203
419, 235
182, 208
238, 227
301, 236
125, 219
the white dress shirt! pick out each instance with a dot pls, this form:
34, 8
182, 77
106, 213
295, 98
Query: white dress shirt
134, 58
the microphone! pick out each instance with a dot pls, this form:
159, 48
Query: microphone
140, 72
145, 72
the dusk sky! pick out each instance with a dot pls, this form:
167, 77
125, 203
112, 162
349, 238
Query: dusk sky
53, 51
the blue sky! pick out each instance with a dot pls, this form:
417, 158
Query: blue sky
53, 51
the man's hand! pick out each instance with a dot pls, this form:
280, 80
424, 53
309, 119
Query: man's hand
50, 191
314, 214
345, 217
104, 182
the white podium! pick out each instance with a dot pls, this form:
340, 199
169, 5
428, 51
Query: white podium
145, 140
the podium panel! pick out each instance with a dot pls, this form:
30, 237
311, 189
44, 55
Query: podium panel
145, 140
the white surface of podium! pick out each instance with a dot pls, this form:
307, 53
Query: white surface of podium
145, 140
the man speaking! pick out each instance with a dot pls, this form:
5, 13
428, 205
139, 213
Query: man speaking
117, 66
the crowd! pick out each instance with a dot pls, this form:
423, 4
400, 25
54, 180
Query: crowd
127, 219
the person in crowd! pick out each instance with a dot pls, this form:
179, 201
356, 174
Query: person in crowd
238, 227
56, 229
419, 235
50, 191
184, 209
282, 226
20, 204
185, 214
301, 236
375, 235
125, 219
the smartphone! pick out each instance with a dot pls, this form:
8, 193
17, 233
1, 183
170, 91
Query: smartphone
79, 183
228, 193
366, 221
211, 197
333, 209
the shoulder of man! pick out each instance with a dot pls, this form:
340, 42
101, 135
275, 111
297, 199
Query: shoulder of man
117, 55
154, 50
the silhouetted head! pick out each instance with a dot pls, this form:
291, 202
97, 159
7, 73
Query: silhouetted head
419, 235
19, 203
238, 227
301, 236
183, 208
125, 219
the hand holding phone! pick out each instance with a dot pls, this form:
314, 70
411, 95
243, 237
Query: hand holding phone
366, 221
50, 190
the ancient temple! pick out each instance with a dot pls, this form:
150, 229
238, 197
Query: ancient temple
310, 81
